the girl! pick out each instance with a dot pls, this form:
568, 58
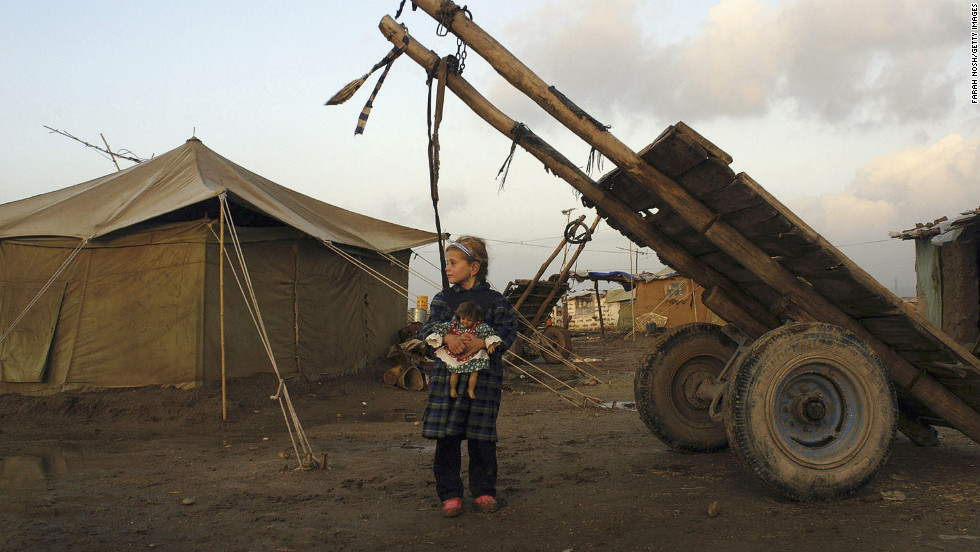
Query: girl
449, 420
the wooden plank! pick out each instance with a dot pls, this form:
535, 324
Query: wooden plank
734, 197
813, 262
898, 333
839, 285
707, 177
722, 262
762, 292
721, 304
673, 152
924, 356
784, 244
860, 308
745, 219
966, 389
693, 242
670, 223
634, 195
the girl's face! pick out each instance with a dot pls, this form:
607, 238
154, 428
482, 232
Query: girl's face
466, 322
460, 269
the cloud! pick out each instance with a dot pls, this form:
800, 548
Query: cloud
897, 190
862, 61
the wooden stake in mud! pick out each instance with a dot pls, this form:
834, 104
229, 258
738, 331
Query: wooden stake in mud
221, 300
598, 307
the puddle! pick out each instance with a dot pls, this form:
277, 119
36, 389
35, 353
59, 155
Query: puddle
624, 405
396, 415
27, 479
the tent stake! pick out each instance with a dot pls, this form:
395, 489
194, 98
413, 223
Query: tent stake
221, 300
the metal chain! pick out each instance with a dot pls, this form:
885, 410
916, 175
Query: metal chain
460, 55
445, 19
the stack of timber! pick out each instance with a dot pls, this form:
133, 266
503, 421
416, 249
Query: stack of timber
702, 169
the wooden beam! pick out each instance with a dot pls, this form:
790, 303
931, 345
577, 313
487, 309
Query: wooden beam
697, 215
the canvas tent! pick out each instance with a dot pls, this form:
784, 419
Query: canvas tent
138, 304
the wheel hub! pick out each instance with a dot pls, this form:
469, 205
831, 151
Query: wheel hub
811, 411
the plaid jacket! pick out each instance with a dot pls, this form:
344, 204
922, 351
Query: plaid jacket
462, 416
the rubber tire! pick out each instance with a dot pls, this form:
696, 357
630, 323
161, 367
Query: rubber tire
562, 341
683, 355
767, 439
525, 350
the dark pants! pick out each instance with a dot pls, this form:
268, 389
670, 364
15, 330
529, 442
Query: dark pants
447, 464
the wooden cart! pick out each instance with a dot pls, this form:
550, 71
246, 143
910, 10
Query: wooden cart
819, 363
534, 300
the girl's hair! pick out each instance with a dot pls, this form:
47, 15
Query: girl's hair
470, 310
476, 250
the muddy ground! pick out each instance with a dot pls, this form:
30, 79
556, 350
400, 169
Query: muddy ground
158, 469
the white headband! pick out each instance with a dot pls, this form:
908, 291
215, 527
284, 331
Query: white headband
461, 247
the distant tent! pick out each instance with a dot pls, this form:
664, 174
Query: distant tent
138, 305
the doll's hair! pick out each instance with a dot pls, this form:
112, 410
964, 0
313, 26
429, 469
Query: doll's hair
476, 250
470, 310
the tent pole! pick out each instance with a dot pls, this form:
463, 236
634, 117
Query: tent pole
221, 300
598, 305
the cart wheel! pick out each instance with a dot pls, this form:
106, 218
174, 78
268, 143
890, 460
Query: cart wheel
524, 349
667, 382
811, 411
562, 342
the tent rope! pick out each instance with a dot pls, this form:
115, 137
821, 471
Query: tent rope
542, 348
296, 433
405, 267
585, 397
394, 286
44, 288
555, 348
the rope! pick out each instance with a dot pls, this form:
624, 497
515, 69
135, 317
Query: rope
297, 435
391, 284
541, 348
350, 88
534, 331
545, 372
406, 268
44, 288
519, 130
432, 122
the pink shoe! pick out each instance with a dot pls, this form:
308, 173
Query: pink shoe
452, 507
486, 504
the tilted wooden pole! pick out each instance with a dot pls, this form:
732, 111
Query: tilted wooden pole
598, 307
753, 318
544, 266
563, 276
706, 222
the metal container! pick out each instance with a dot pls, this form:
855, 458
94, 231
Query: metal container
417, 315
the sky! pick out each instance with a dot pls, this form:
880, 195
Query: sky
856, 114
